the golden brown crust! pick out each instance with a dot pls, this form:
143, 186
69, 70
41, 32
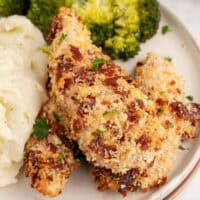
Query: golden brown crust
127, 131
49, 162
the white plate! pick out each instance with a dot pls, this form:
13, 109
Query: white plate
186, 55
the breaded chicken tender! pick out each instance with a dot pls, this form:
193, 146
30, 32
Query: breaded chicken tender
157, 78
49, 162
127, 131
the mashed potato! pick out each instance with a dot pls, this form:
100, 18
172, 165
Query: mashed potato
23, 75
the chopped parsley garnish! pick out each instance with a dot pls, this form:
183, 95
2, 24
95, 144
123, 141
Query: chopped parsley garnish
162, 92
41, 128
99, 131
96, 62
138, 99
169, 59
159, 111
108, 112
166, 29
182, 148
62, 37
61, 157
171, 125
190, 98
46, 50
56, 116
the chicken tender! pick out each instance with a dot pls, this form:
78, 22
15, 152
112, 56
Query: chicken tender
49, 162
126, 130
157, 78
154, 76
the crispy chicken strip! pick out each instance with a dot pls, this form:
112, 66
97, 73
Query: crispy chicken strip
49, 162
116, 125
157, 78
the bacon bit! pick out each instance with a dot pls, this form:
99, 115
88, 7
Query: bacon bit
86, 105
105, 102
109, 69
144, 142
52, 147
151, 163
68, 83
55, 28
131, 113
76, 54
64, 65
180, 110
128, 78
105, 150
85, 76
139, 64
79, 18
56, 128
128, 180
77, 124
185, 136
168, 124
122, 93
178, 90
75, 99
140, 103
161, 102
132, 116
111, 81
173, 82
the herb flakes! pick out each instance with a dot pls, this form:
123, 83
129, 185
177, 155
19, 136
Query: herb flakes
190, 98
96, 62
56, 117
99, 131
109, 112
182, 148
46, 50
166, 29
61, 157
62, 37
41, 128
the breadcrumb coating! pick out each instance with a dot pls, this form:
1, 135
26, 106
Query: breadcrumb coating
129, 130
49, 162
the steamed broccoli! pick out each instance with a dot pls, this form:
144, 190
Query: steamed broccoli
11, 7
118, 26
124, 42
41, 13
97, 15
149, 18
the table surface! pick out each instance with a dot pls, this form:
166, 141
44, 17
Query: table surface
189, 12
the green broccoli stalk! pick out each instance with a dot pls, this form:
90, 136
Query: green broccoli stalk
12, 7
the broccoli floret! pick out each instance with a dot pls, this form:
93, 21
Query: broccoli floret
97, 15
41, 13
11, 7
118, 26
125, 41
149, 18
